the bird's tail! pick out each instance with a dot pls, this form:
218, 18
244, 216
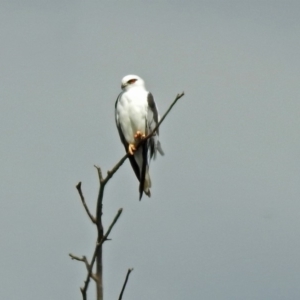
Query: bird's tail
159, 148
145, 184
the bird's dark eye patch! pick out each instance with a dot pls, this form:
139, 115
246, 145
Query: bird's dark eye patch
131, 81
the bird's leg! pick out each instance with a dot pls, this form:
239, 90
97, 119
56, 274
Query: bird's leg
139, 136
131, 149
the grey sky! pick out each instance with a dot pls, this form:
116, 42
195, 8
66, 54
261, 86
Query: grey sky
223, 221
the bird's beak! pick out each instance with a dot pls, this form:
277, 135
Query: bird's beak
123, 86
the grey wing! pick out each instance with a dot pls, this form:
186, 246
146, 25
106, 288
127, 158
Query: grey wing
152, 120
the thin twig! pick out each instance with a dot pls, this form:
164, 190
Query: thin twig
99, 173
78, 186
99, 243
164, 116
125, 282
85, 261
115, 168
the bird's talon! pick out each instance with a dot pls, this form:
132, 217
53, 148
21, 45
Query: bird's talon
131, 149
139, 136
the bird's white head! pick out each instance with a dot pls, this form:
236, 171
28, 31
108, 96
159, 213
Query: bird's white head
130, 81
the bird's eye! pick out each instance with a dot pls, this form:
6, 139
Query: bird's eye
131, 81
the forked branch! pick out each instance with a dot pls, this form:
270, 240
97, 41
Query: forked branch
98, 245
85, 261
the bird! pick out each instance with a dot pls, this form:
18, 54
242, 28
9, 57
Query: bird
136, 116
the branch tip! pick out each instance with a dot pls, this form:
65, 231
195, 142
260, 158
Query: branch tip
99, 173
125, 282
92, 218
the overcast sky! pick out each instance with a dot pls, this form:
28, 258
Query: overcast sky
223, 221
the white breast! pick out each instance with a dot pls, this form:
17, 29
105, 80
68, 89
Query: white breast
132, 111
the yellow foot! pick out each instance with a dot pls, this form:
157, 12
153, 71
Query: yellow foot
139, 136
131, 149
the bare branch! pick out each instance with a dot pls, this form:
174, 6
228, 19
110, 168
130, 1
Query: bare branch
99, 243
83, 293
125, 282
111, 226
115, 168
164, 116
87, 265
83, 258
99, 173
78, 186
